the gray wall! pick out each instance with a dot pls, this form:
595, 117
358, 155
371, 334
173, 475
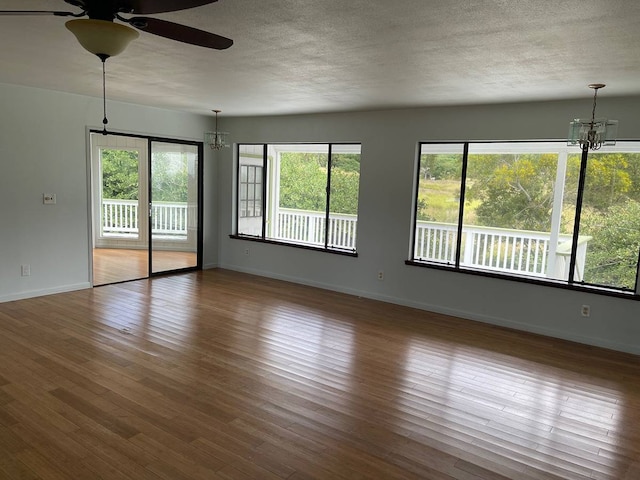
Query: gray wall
389, 143
43, 149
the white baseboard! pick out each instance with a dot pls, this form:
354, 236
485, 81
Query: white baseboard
498, 321
45, 291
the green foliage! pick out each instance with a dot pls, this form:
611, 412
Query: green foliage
612, 254
346, 162
608, 180
303, 182
169, 177
344, 191
119, 174
169, 180
513, 190
516, 191
439, 200
441, 166
439, 188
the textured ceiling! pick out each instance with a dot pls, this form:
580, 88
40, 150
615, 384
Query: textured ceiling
299, 56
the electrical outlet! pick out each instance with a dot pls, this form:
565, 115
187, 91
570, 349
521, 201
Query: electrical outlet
246, 252
49, 198
25, 270
380, 275
585, 310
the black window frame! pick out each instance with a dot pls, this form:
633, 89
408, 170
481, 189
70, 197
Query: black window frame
570, 283
265, 167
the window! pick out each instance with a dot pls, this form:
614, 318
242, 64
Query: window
302, 194
250, 191
520, 209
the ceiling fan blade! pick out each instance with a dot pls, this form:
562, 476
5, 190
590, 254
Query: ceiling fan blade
181, 33
38, 12
146, 7
76, 3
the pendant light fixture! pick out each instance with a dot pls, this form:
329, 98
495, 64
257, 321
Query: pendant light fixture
596, 132
216, 140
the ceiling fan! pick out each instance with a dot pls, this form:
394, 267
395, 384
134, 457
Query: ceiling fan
100, 26
102, 36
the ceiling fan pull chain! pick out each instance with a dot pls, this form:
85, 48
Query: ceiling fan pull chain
104, 93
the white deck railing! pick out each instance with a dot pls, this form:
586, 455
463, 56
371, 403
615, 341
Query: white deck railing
499, 249
302, 226
120, 218
511, 251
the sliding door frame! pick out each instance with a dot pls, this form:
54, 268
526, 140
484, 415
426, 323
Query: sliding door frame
200, 216
200, 196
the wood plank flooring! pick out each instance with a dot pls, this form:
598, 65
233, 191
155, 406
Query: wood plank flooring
222, 375
111, 265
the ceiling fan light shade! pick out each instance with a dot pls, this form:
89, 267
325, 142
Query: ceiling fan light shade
100, 37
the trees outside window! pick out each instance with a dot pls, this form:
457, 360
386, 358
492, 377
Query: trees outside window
119, 174
309, 194
519, 210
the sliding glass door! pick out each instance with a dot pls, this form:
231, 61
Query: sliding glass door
120, 208
146, 215
174, 206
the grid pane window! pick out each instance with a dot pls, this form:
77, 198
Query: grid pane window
250, 186
250, 191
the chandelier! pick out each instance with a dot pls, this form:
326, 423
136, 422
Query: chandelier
217, 140
594, 133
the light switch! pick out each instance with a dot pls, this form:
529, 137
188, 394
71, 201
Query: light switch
49, 198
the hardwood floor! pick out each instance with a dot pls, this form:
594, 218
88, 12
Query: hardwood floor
111, 265
222, 375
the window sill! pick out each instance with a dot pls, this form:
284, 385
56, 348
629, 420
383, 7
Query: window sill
345, 253
580, 287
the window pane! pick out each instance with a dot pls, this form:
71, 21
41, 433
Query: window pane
438, 202
509, 224
299, 193
120, 190
249, 212
345, 183
610, 219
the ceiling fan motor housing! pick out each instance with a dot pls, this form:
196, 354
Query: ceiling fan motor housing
103, 10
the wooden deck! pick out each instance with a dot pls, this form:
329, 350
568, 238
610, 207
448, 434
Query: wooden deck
222, 375
111, 265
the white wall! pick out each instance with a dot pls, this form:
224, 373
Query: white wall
389, 143
43, 150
